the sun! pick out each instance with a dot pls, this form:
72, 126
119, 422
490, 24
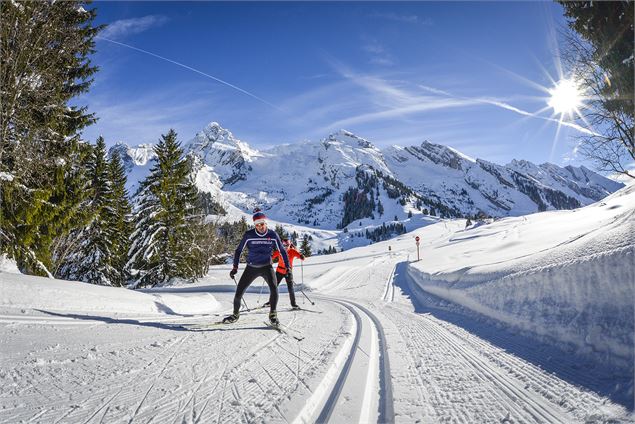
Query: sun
566, 97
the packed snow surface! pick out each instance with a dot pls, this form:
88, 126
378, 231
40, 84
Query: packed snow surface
526, 319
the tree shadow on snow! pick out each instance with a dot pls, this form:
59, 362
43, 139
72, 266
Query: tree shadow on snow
161, 325
603, 380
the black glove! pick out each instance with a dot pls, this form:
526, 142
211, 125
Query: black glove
302, 257
233, 272
289, 275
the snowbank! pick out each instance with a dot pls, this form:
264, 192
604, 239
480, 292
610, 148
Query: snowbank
565, 277
30, 292
8, 265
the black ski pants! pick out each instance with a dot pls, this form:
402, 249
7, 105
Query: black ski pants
279, 278
249, 275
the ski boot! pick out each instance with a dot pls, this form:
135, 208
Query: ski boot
295, 307
273, 319
231, 319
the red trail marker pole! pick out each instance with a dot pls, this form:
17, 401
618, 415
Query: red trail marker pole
417, 241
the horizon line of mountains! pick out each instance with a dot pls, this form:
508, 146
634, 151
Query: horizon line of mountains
344, 180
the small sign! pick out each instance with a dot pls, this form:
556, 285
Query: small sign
417, 239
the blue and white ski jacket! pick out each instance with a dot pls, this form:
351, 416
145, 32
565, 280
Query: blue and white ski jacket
261, 247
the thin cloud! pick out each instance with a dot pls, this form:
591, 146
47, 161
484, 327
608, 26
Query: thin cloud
378, 53
431, 104
405, 18
393, 102
503, 105
383, 92
396, 102
141, 120
122, 28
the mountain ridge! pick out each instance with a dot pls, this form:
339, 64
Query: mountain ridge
343, 178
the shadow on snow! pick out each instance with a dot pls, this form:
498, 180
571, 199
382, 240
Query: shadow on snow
153, 324
576, 370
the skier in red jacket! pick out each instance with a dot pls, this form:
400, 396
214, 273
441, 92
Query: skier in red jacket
283, 272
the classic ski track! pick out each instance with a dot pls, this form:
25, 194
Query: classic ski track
389, 293
331, 401
385, 401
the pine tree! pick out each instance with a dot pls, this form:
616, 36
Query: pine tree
305, 247
94, 267
163, 242
117, 215
45, 49
281, 232
89, 257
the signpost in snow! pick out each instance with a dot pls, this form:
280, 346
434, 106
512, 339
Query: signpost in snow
417, 241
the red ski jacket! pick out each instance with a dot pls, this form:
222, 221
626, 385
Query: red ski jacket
291, 253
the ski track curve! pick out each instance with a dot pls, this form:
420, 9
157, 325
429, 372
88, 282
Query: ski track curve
376, 410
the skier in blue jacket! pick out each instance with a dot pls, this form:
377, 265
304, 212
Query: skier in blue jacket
260, 242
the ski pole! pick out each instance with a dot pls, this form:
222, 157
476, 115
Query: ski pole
302, 277
242, 298
312, 302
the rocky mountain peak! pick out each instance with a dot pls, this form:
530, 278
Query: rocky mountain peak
350, 139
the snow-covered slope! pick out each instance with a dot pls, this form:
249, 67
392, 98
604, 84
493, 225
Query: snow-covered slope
38, 293
313, 182
567, 276
472, 186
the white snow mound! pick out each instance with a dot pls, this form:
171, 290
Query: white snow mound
39, 293
564, 276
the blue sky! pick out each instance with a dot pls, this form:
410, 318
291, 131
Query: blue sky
463, 74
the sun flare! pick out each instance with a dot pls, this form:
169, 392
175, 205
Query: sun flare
565, 98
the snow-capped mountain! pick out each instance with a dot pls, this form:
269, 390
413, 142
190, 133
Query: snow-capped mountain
229, 157
344, 179
137, 162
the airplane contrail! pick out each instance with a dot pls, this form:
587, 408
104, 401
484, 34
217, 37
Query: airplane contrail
191, 69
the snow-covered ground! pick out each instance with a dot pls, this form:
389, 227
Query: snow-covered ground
526, 319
